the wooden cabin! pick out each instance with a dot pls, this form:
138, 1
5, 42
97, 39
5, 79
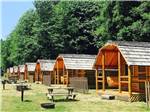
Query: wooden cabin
10, 72
13, 75
15, 71
11, 69
21, 72
30, 72
44, 71
74, 65
124, 66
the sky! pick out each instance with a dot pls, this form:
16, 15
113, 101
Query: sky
11, 11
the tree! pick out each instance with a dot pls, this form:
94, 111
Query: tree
139, 27
79, 22
55, 27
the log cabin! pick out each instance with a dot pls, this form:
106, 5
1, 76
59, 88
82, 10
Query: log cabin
74, 65
124, 66
12, 75
44, 71
15, 71
30, 72
11, 69
21, 72
8, 72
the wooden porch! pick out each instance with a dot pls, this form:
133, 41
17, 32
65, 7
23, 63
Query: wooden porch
124, 95
130, 67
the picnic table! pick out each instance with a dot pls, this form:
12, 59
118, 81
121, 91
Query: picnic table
69, 94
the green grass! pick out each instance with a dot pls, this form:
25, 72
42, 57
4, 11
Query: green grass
11, 102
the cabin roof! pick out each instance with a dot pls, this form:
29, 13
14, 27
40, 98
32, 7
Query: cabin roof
31, 67
134, 53
77, 61
130, 43
22, 68
46, 65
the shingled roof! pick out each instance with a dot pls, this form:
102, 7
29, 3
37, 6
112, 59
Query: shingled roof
135, 53
31, 67
22, 68
46, 65
78, 61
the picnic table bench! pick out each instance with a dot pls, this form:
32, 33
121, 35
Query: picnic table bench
69, 94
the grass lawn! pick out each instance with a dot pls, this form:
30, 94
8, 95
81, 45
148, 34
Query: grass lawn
11, 102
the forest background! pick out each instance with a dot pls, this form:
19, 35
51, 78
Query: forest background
81, 27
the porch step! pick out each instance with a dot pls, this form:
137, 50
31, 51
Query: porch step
122, 98
108, 97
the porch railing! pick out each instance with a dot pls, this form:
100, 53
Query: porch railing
80, 84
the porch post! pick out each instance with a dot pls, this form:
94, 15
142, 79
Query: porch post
103, 71
63, 76
119, 71
42, 73
35, 76
67, 78
129, 81
96, 76
57, 76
